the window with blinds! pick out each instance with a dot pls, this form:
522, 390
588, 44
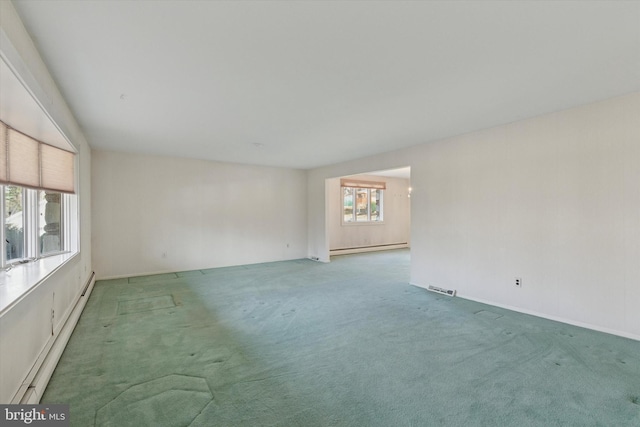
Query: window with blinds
27, 162
361, 201
37, 198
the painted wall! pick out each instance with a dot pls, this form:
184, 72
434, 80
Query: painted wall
27, 329
552, 199
393, 230
158, 214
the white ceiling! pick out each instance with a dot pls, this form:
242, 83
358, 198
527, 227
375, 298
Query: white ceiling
309, 83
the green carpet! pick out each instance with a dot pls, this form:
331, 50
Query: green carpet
349, 343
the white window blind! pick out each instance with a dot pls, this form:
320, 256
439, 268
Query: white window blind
56, 169
356, 183
27, 162
22, 152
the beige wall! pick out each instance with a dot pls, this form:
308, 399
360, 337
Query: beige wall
159, 214
552, 199
393, 230
29, 328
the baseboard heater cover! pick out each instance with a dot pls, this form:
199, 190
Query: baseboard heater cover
448, 292
48, 359
369, 247
92, 278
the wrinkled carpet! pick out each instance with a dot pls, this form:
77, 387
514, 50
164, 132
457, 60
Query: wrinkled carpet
348, 343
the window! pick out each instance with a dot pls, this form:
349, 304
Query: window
35, 223
362, 201
38, 209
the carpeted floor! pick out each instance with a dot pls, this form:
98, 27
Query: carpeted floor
349, 343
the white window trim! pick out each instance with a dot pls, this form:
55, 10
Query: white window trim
30, 222
3, 250
30, 205
361, 223
64, 222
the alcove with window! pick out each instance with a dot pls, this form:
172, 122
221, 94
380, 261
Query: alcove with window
368, 212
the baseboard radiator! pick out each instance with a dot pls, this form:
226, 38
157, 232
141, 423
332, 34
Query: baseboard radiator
50, 356
371, 248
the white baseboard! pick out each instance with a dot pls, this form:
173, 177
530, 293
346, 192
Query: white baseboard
548, 317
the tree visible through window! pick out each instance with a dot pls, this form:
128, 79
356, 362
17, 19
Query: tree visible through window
13, 222
34, 223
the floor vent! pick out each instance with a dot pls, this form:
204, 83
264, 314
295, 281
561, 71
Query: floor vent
442, 291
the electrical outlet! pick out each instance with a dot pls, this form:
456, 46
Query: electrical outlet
519, 282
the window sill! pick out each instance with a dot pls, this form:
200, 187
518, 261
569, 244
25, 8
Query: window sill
349, 224
18, 282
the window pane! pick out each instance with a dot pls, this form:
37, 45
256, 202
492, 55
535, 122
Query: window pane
347, 204
50, 214
376, 205
362, 204
14, 222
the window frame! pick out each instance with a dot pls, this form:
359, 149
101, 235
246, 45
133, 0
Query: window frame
31, 226
355, 221
64, 225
